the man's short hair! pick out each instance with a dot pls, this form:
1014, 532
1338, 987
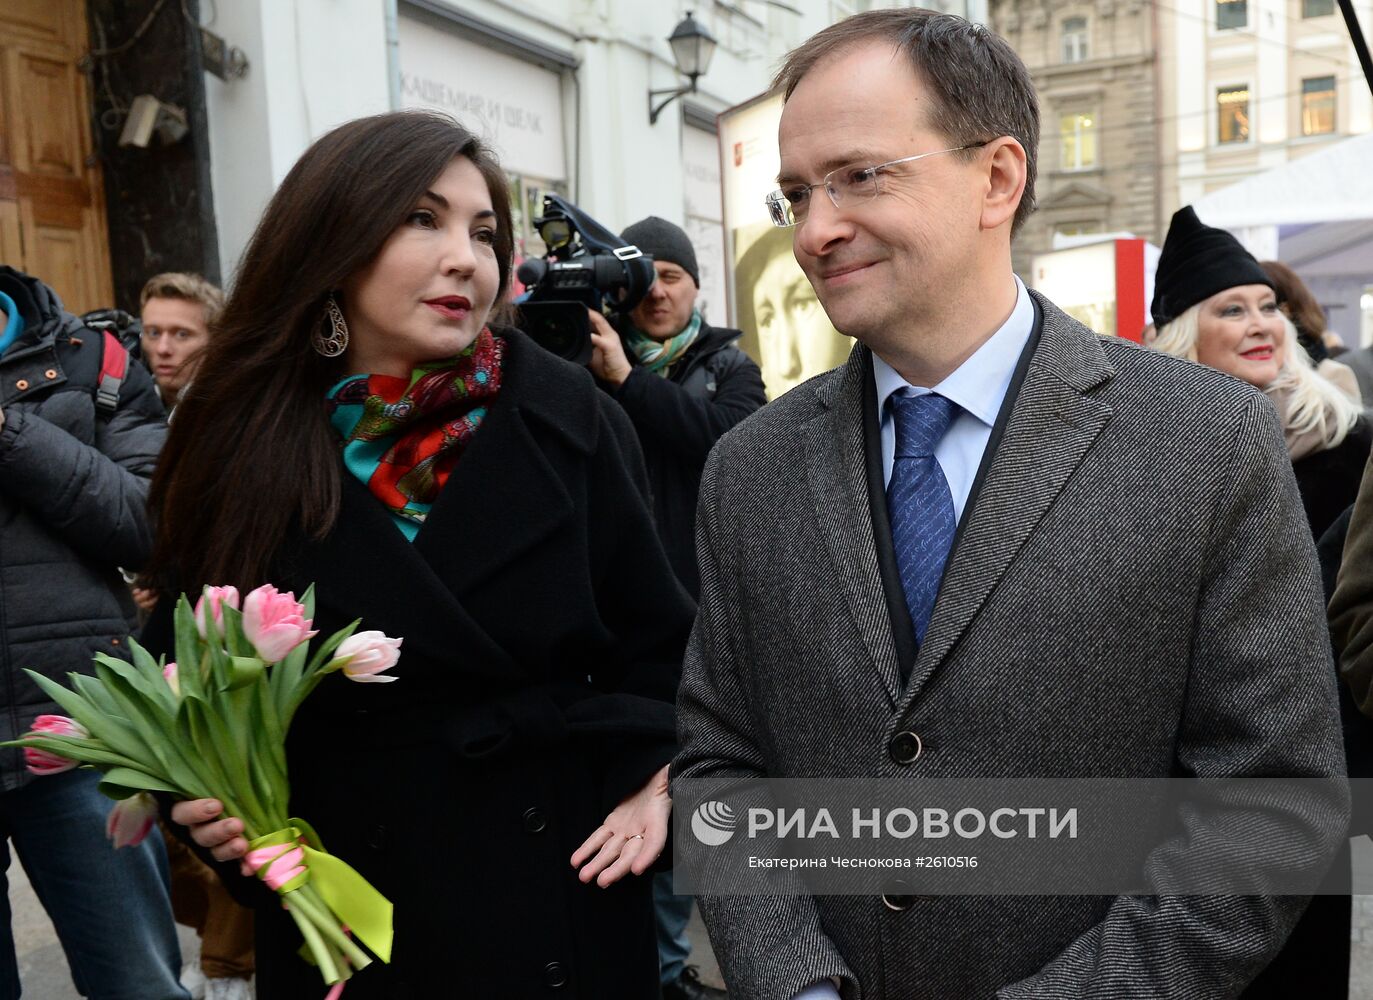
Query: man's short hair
187, 286
980, 88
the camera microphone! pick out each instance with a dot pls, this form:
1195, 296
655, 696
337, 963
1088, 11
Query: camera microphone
531, 271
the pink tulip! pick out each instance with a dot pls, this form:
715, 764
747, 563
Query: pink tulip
274, 623
216, 597
169, 673
131, 819
45, 761
363, 656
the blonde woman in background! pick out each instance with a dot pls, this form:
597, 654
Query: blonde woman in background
1214, 304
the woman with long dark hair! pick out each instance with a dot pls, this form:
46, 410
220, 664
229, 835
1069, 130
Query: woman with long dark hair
357, 424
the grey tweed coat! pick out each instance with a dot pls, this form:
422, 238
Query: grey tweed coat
1134, 593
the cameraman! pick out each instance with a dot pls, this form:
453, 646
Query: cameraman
683, 384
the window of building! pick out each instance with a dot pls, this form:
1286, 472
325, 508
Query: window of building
1232, 112
1317, 8
1231, 14
1318, 105
1077, 141
1074, 39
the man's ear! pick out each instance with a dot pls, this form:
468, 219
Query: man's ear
1004, 160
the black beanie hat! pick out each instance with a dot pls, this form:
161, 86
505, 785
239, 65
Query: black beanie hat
662, 240
1197, 262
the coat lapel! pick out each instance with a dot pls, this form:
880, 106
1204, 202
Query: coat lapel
367, 569
1051, 428
837, 476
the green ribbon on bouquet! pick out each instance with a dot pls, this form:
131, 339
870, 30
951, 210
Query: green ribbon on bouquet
365, 912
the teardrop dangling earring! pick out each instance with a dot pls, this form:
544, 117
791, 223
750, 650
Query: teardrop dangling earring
330, 338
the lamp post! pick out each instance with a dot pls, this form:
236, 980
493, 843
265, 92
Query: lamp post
692, 47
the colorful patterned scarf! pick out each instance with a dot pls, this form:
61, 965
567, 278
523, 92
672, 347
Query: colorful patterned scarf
403, 436
659, 355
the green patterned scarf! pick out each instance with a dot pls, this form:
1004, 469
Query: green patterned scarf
403, 436
660, 355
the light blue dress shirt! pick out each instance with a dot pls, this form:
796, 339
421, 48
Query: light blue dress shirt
823, 990
978, 386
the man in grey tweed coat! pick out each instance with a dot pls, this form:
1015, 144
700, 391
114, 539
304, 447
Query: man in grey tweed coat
1131, 590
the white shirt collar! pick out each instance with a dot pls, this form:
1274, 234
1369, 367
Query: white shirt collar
979, 384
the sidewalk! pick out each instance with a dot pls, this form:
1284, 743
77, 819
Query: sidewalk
43, 967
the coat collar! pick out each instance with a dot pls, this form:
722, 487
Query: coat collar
506, 495
1053, 423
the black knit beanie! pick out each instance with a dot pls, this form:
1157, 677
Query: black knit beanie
1197, 262
662, 240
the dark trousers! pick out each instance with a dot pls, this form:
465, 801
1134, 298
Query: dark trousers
110, 907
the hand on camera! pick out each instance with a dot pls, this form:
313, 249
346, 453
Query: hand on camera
608, 362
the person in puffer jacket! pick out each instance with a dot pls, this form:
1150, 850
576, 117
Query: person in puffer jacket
78, 441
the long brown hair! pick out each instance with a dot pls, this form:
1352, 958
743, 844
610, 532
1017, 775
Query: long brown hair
250, 452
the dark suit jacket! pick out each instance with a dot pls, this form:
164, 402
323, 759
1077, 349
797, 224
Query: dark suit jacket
543, 637
1134, 593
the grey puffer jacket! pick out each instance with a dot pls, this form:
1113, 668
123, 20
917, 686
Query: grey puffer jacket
73, 490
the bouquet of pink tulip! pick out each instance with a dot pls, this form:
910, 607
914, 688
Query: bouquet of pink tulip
213, 724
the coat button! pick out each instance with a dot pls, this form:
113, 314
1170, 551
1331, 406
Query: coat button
905, 748
376, 838
554, 975
902, 899
22, 384
534, 820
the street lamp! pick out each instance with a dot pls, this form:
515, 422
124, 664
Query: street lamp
692, 47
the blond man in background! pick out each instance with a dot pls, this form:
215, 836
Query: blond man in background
177, 310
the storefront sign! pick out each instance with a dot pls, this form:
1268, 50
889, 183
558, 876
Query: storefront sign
513, 104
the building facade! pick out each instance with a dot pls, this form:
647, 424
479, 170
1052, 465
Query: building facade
559, 87
1249, 85
1095, 64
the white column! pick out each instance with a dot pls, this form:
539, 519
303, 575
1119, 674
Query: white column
312, 65
1272, 85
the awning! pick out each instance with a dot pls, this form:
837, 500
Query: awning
1332, 185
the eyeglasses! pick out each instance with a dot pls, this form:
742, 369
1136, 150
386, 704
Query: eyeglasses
788, 206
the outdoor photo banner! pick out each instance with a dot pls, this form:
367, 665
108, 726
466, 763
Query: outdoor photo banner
785, 329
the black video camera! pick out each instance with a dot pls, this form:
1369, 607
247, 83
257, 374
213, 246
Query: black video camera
586, 267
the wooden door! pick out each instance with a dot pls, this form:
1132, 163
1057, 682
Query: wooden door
52, 197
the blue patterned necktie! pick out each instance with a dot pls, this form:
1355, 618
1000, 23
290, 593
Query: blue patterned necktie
920, 502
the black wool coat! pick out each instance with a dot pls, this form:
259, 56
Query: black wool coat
1329, 479
543, 636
